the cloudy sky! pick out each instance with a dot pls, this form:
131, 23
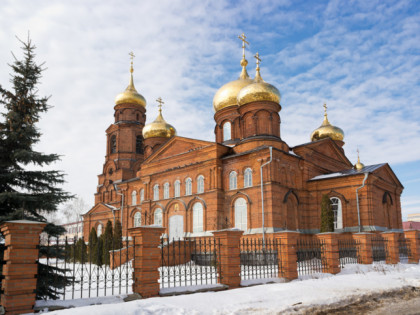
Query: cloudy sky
361, 57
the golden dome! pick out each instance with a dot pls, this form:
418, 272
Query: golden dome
326, 130
130, 95
358, 166
259, 90
159, 128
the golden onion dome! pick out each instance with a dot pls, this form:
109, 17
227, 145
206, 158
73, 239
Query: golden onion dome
259, 90
130, 95
326, 130
159, 128
227, 95
358, 166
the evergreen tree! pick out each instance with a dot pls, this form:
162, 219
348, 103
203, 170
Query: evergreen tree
81, 251
118, 235
28, 193
327, 215
93, 243
99, 251
107, 242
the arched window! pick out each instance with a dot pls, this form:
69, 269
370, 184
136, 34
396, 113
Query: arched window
113, 144
166, 191
248, 178
158, 217
141, 195
99, 230
139, 145
241, 219
338, 212
197, 217
227, 131
233, 180
156, 192
137, 219
134, 198
177, 186
200, 184
188, 187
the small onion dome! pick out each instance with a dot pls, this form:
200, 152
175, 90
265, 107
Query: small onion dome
258, 91
227, 95
358, 166
326, 130
159, 128
130, 95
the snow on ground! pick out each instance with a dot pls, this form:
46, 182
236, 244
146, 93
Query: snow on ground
269, 298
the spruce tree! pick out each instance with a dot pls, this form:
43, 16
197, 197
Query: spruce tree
327, 215
118, 235
107, 242
93, 243
26, 190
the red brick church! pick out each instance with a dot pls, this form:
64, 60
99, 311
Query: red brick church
248, 178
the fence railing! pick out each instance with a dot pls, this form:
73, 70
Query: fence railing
379, 249
259, 260
82, 270
189, 262
309, 257
348, 252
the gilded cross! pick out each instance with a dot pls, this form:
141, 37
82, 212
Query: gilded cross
244, 41
257, 56
132, 58
325, 108
159, 100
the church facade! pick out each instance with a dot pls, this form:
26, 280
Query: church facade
248, 178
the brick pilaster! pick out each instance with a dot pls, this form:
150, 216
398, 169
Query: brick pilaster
288, 257
330, 252
364, 249
21, 268
230, 259
147, 254
393, 256
413, 241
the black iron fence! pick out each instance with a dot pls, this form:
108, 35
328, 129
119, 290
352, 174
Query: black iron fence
404, 250
189, 262
309, 256
83, 270
348, 252
260, 259
379, 249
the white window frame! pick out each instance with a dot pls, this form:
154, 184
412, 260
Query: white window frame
158, 217
156, 192
99, 230
137, 219
198, 220
166, 190
233, 180
133, 198
141, 195
227, 131
177, 188
337, 208
241, 214
200, 184
248, 177
188, 187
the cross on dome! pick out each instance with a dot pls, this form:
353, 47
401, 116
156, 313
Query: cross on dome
160, 101
244, 41
257, 56
132, 59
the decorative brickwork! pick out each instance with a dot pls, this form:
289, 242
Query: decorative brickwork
288, 245
20, 270
393, 256
365, 248
330, 252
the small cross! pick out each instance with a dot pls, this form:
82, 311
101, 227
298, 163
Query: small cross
159, 100
325, 108
257, 56
131, 56
243, 39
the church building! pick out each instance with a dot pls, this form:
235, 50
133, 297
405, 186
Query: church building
248, 178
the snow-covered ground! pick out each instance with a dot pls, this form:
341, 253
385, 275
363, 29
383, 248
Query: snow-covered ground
318, 289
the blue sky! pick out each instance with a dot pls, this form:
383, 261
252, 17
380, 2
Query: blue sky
361, 57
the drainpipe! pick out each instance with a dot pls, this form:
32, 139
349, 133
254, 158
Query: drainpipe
357, 199
262, 193
122, 204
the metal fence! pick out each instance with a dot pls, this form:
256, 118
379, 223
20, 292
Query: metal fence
379, 249
259, 260
348, 252
404, 250
82, 270
189, 262
309, 256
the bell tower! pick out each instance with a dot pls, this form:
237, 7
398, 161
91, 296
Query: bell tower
125, 147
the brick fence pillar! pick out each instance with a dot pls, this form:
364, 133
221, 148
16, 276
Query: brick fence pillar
330, 252
21, 256
146, 241
413, 241
230, 256
288, 257
364, 249
392, 246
